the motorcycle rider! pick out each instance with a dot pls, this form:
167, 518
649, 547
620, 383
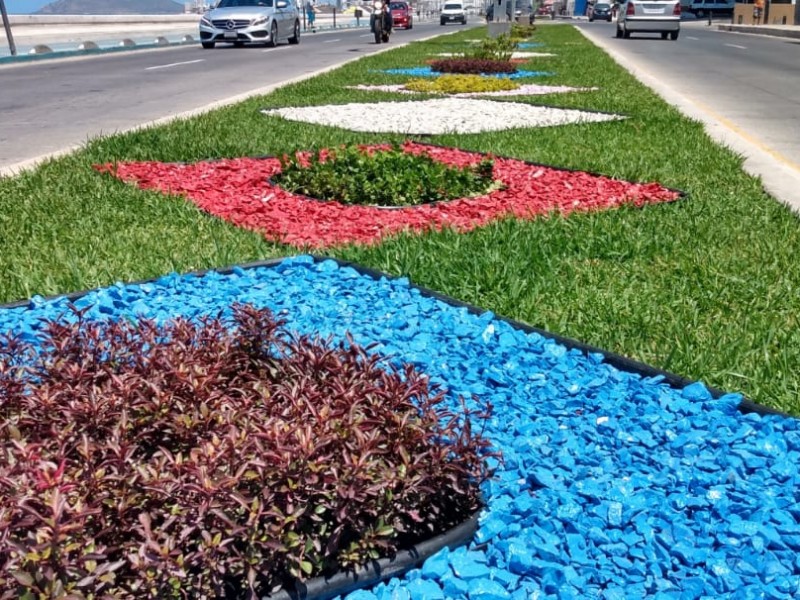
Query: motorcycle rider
381, 8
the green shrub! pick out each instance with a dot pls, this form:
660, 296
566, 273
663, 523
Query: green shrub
215, 459
459, 84
386, 177
500, 48
473, 65
522, 31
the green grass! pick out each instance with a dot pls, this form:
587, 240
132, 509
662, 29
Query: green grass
706, 287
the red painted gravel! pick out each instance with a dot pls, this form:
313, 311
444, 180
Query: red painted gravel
238, 191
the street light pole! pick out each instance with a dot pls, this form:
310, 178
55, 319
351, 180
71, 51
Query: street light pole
7, 26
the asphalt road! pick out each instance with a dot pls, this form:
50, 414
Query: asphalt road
747, 85
49, 106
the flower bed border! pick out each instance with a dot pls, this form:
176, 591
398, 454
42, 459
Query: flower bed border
344, 582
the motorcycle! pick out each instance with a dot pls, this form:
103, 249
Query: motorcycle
381, 21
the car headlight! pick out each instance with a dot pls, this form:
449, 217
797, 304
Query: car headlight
259, 21
206, 21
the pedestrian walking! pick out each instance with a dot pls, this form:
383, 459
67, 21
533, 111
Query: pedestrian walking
311, 15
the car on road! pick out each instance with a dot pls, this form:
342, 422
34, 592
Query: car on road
240, 22
649, 16
401, 15
453, 12
600, 10
702, 8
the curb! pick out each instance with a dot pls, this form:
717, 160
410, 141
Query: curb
759, 30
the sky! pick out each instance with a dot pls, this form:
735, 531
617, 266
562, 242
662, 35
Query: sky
24, 7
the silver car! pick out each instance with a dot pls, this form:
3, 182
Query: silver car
240, 22
649, 16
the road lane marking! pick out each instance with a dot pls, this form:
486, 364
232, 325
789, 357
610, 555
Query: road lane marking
332, 41
366, 35
269, 50
177, 64
688, 37
737, 46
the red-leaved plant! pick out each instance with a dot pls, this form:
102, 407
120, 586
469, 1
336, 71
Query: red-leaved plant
216, 459
473, 66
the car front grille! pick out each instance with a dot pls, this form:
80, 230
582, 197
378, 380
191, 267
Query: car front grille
237, 23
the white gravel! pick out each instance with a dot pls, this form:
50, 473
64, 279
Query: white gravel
523, 90
446, 115
513, 55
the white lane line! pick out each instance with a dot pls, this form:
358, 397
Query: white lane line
366, 35
177, 64
331, 41
737, 46
688, 37
269, 50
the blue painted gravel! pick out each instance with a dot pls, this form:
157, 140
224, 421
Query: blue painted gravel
427, 72
524, 45
614, 486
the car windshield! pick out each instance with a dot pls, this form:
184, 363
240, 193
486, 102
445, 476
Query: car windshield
452, 6
397, 6
237, 3
602, 6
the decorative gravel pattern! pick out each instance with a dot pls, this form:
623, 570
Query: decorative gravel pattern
513, 54
531, 89
613, 486
437, 116
428, 72
238, 191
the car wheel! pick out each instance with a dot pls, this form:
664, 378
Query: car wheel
591, 19
441, 23
625, 33
619, 32
273, 35
664, 35
673, 35
208, 45
295, 39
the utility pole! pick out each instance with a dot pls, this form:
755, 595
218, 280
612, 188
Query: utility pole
7, 25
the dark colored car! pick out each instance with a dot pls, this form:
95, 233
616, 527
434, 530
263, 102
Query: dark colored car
401, 15
600, 10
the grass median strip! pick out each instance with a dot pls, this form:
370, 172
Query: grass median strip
706, 287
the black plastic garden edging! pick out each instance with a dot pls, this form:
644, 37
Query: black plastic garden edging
344, 582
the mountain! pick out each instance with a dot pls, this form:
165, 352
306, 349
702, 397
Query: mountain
111, 7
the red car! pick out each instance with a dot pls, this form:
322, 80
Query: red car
401, 15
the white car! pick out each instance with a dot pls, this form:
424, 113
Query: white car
453, 12
240, 22
649, 16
